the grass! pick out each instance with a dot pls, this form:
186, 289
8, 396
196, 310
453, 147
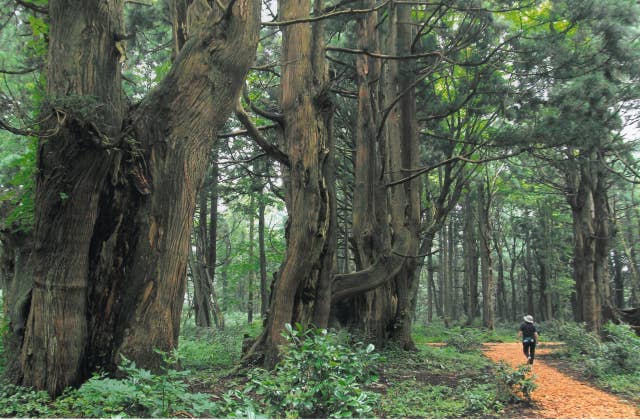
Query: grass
437, 332
437, 382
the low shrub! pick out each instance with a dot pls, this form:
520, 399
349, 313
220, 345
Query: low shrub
17, 401
140, 393
622, 348
480, 398
514, 385
465, 339
579, 342
317, 377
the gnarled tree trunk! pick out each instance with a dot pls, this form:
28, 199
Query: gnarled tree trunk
302, 291
116, 189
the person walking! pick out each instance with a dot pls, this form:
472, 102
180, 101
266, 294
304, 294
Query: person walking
529, 334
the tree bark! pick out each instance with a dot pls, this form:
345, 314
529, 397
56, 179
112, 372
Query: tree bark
486, 267
264, 292
201, 285
302, 292
501, 292
586, 195
252, 273
403, 155
470, 252
115, 193
212, 246
372, 311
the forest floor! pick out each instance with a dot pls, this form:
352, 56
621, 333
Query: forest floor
559, 394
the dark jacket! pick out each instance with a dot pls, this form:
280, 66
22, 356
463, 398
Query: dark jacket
528, 331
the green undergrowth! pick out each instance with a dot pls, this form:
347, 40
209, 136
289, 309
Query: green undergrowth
438, 382
136, 392
321, 374
612, 360
462, 336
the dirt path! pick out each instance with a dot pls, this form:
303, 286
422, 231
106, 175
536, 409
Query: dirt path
558, 395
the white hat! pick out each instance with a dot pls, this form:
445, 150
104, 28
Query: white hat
528, 318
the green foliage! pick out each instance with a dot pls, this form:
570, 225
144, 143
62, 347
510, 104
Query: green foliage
438, 382
414, 399
140, 393
410, 399
613, 361
317, 377
514, 385
578, 341
17, 401
622, 348
465, 339
212, 349
480, 397
17, 164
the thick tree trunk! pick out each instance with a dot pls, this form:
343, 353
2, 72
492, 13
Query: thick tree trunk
389, 279
114, 205
403, 156
587, 199
302, 292
370, 312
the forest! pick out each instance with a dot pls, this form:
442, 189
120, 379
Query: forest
319, 208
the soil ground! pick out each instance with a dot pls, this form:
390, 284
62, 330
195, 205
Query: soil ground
559, 395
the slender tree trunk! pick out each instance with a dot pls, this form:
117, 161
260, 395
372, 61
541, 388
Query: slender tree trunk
449, 274
618, 280
430, 291
201, 285
212, 246
252, 274
470, 253
16, 282
442, 274
486, 267
529, 280
114, 205
264, 293
501, 287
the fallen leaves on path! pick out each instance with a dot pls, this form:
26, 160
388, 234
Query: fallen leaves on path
558, 395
